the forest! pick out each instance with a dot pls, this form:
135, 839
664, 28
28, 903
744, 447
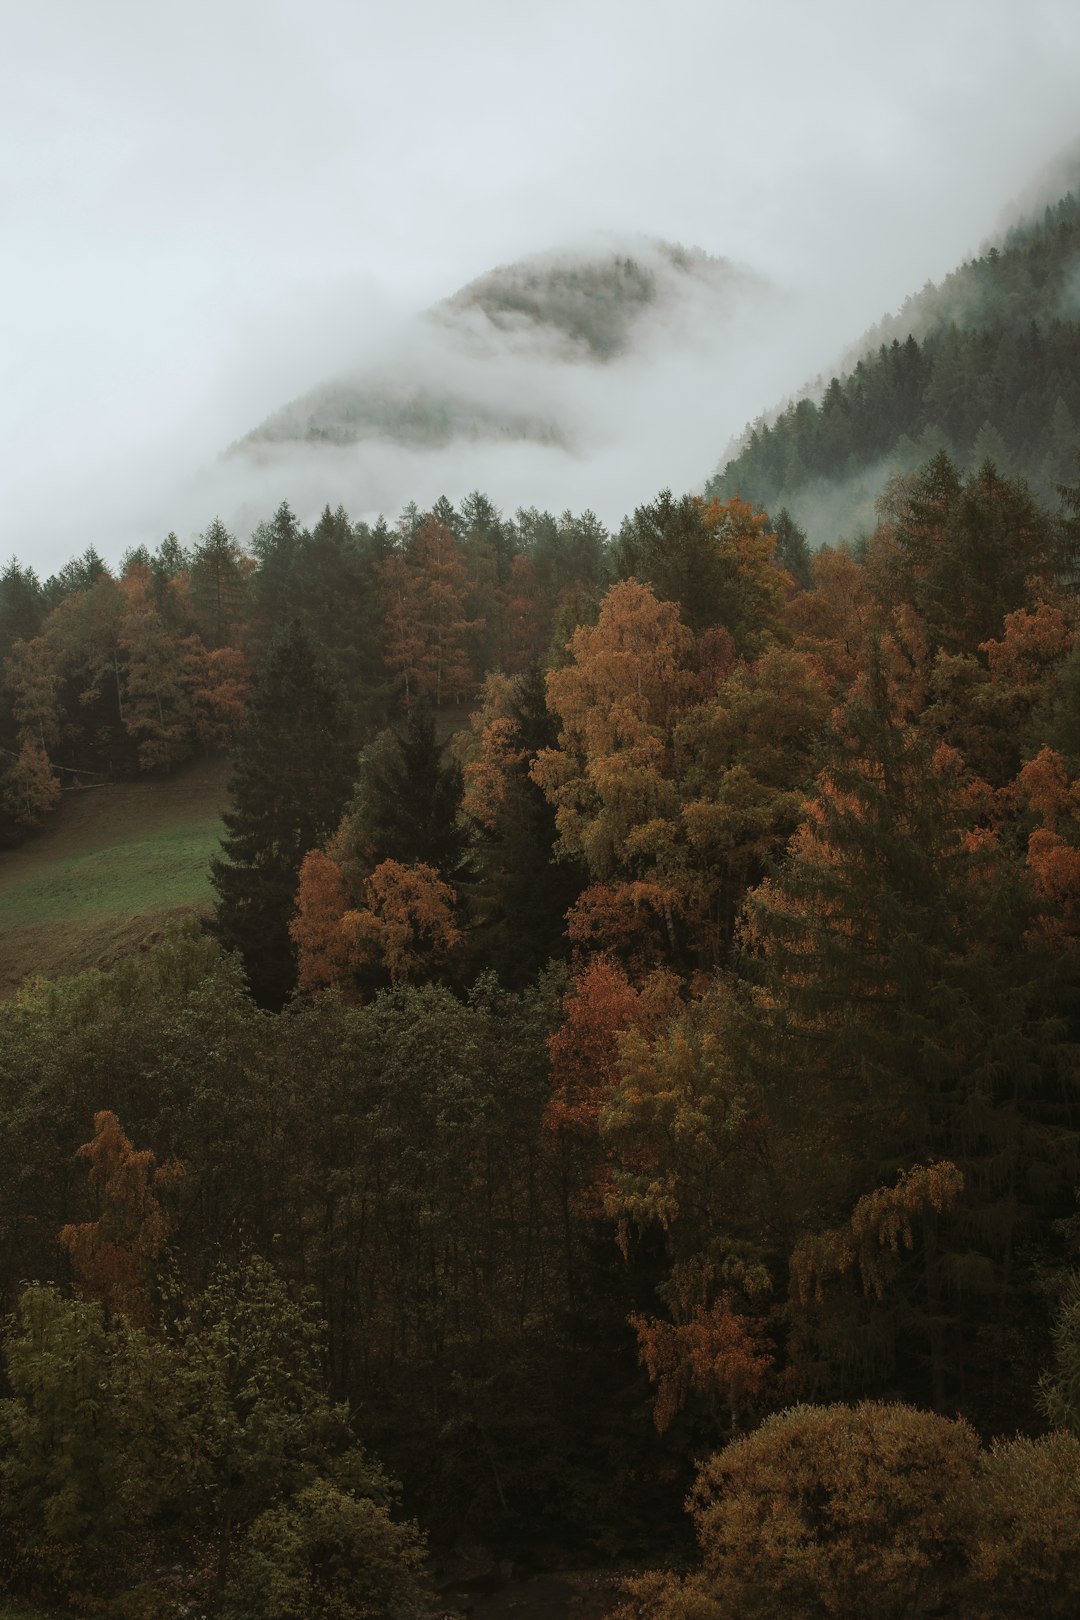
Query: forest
625, 1107
986, 365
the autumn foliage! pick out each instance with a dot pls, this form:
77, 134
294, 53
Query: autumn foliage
600, 1006
718, 1355
113, 1256
402, 926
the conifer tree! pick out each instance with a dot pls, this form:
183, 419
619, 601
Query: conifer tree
520, 896
292, 772
219, 574
910, 1019
407, 799
792, 550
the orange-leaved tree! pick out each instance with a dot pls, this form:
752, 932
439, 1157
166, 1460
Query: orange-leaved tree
690, 1162
114, 1255
424, 590
400, 925
405, 927
618, 700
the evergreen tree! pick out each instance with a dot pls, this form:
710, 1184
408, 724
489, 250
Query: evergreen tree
219, 573
520, 896
76, 576
407, 800
792, 551
668, 545
963, 552
22, 605
291, 776
906, 1027
275, 545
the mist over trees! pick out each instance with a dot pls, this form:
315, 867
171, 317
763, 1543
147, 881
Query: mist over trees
985, 366
633, 1058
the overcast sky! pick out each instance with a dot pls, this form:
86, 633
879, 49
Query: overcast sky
208, 207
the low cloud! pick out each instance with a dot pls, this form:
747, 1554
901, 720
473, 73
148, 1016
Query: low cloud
524, 408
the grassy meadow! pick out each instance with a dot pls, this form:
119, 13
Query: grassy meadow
109, 869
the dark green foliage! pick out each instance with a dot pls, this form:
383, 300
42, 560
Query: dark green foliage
963, 551
293, 768
913, 1016
569, 554
989, 363
407, 799
393, 1158
668, 546
792, 551
22, 606
324, 580
276, 545
219, 576
76, 576
518, 896
122, 1448
170, 561
330, 1555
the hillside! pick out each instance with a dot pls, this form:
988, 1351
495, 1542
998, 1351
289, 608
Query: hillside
109, 869
456, 372
985, 365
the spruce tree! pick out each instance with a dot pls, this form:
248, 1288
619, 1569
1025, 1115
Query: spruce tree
520, 895
792, 550
292, 773
911, 1016
407, 800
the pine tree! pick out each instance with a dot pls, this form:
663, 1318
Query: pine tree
292, 772
792, 550
22, 605
219, 575
407, 801
905, 1025
519, 896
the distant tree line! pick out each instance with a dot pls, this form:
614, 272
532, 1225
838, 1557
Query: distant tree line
986, 366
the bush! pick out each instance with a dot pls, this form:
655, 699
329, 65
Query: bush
1025, 1543
329, 1555
837, 1510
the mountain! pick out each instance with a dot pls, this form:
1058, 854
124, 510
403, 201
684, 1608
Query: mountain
490, 362
985, 365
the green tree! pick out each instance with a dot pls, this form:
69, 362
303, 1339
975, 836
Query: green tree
910, 1016
519, 896
22, 606
669, 546
962, 552
792, 550
329, 1554
291, 775
219, 575
408, 798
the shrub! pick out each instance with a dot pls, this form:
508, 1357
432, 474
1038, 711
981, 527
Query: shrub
329, 1555
1025, 1541
837, 1510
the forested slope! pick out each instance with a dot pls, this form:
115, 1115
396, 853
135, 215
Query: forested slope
985, 365
636, 1050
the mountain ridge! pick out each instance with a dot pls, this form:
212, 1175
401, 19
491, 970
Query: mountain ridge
577, 307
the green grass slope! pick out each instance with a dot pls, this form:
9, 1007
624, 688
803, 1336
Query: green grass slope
111, 867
